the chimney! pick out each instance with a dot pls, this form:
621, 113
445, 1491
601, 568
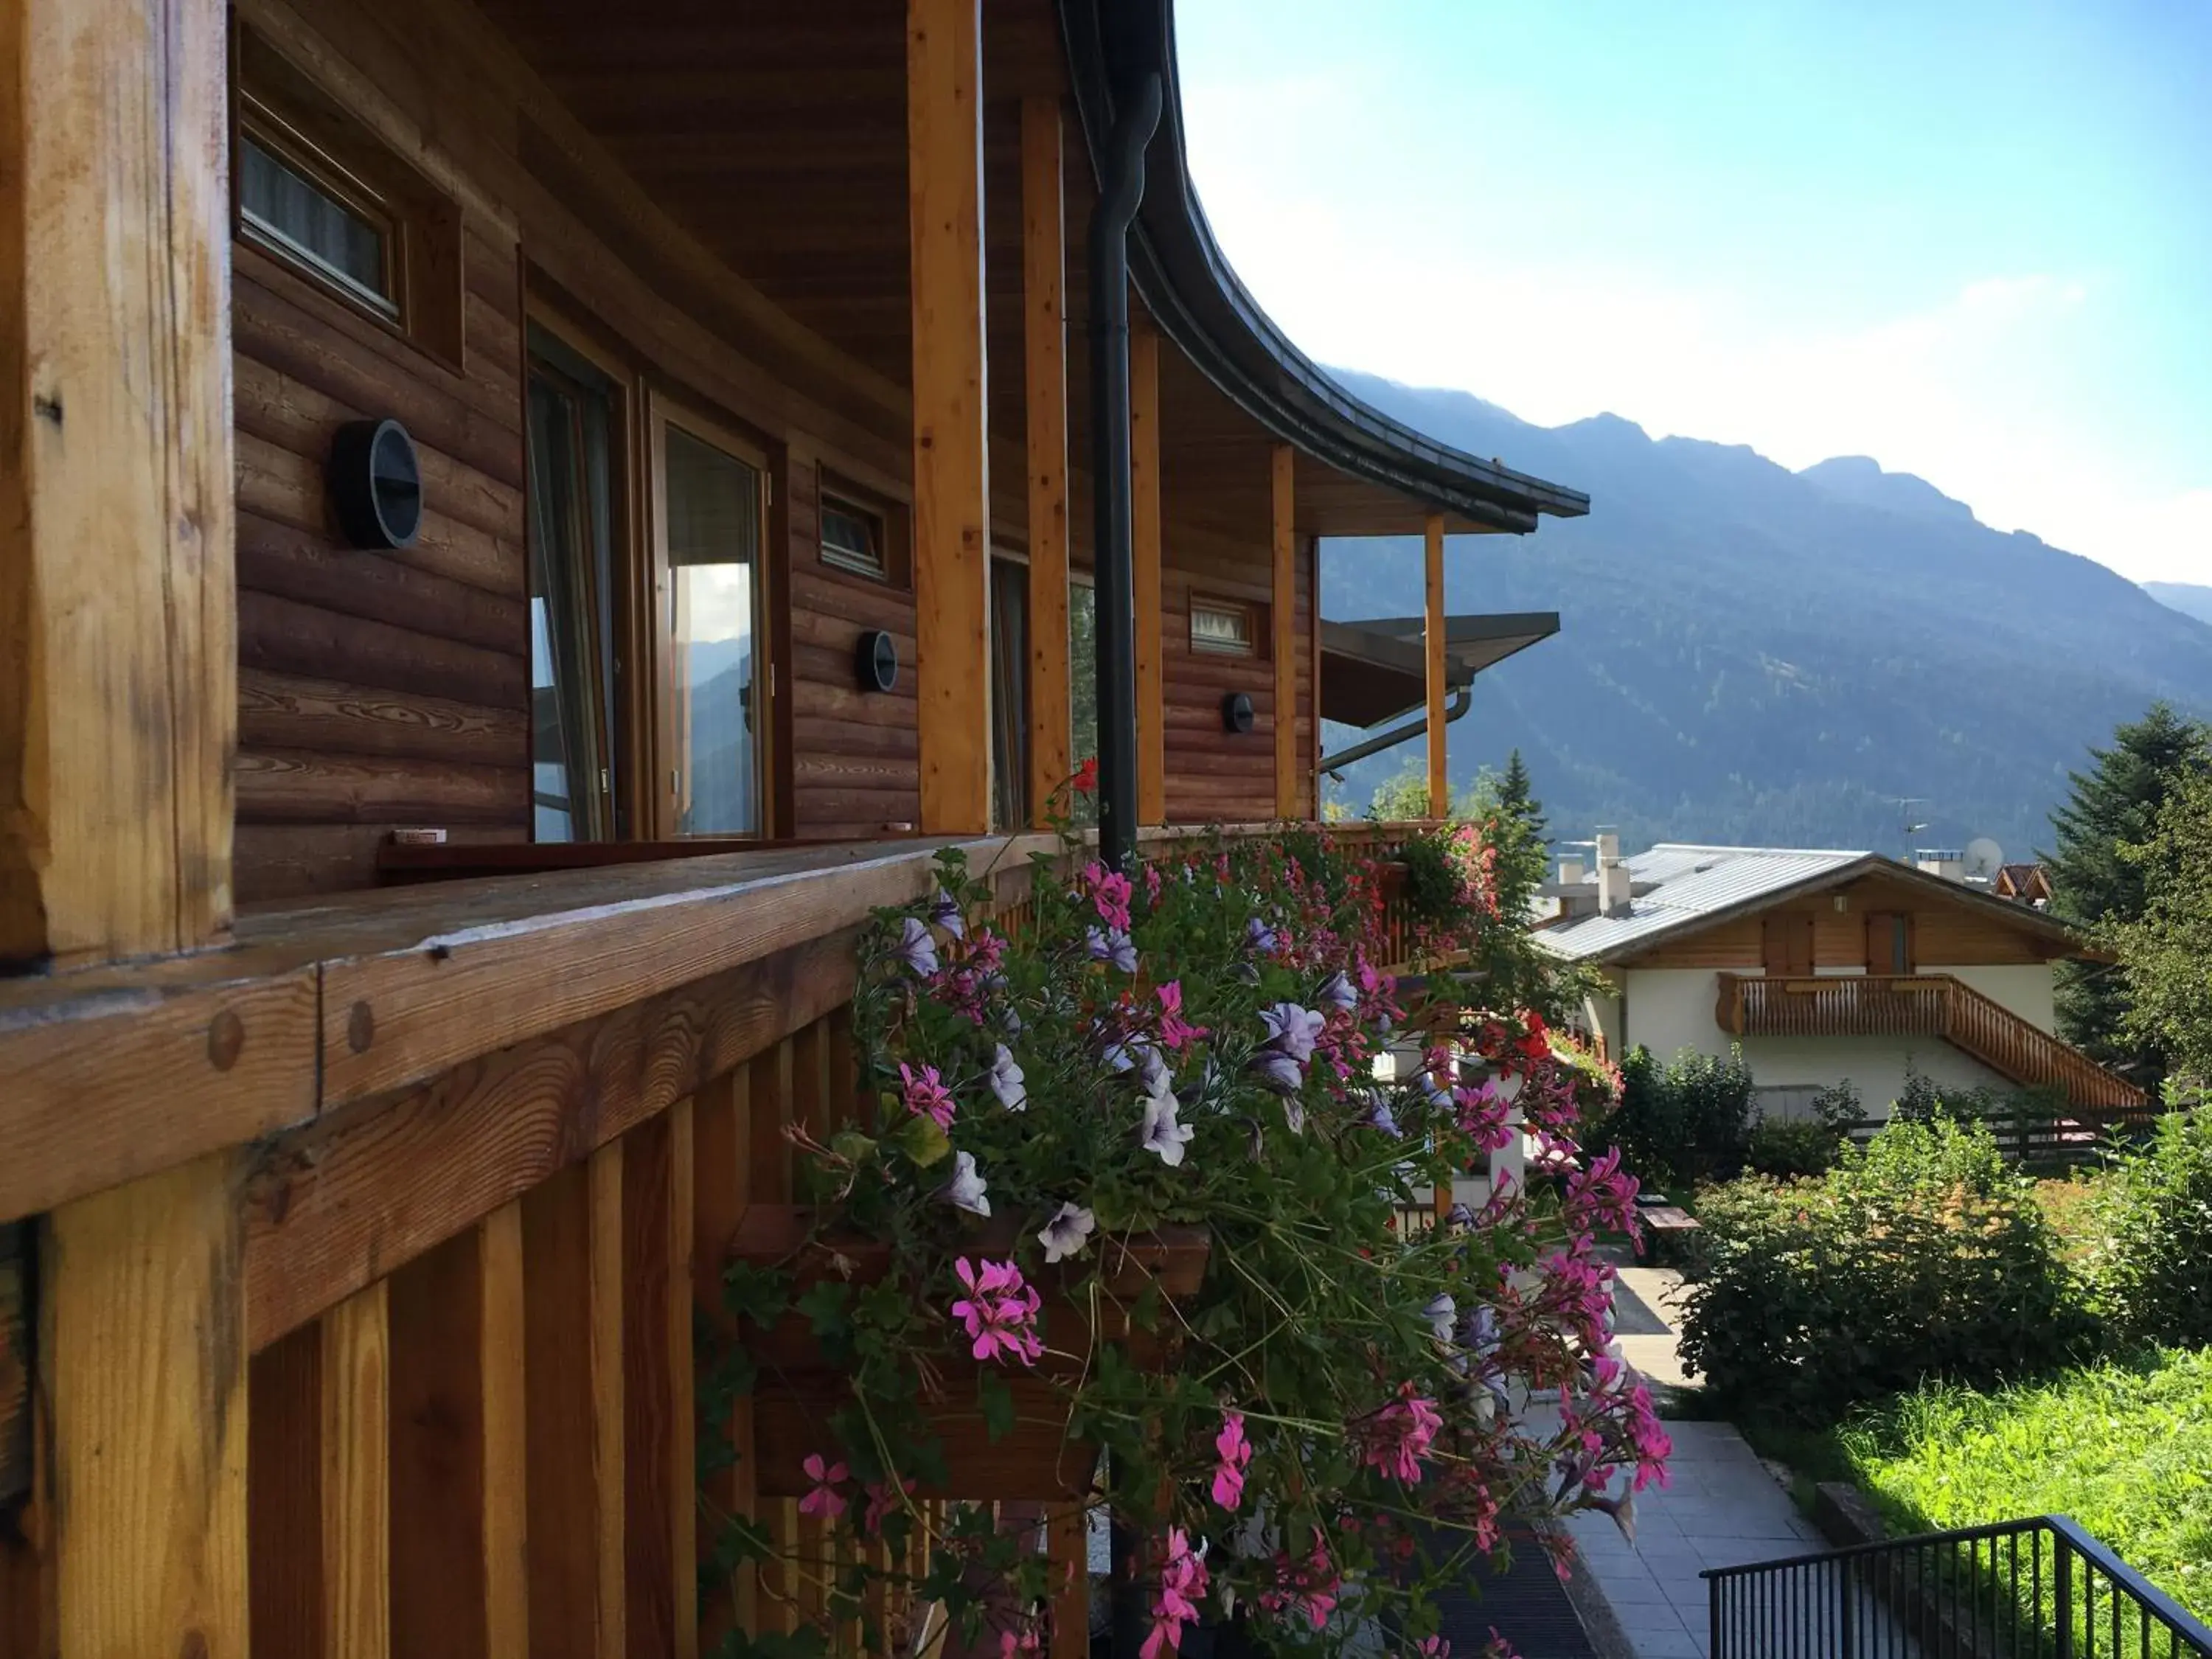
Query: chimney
1612, 878
1571, 873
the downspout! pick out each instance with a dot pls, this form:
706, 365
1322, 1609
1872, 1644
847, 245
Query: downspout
1120, 189
1462, 700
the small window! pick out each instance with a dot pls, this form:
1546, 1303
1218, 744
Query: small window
1219, 625
298, 210
853, 537
314, 186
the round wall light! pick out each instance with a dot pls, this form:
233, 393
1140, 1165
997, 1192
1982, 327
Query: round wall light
1236, 712
375, 483
876, 660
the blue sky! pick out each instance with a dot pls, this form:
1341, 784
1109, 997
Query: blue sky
1969, 238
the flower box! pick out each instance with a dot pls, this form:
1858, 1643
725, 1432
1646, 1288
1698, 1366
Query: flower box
798, 1389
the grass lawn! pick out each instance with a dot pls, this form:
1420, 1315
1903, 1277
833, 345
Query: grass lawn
2124, 1449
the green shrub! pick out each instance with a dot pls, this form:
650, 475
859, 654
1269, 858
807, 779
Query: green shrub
1682, 1123
1921, 1255
2150, 1260
1790, 1148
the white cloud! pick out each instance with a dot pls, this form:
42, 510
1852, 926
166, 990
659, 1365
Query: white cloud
1959, 390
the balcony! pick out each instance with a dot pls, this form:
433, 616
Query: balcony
1938, 1006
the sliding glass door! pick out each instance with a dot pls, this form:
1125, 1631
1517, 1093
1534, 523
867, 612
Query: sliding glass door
710, 502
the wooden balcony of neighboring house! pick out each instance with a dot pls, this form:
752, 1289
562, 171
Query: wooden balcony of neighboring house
1932, 1005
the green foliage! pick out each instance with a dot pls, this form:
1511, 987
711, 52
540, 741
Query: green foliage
1919, 1255
2109, 861
1788, 1148
2125, 1447
2149, 1263
2165, 952
1684, 1122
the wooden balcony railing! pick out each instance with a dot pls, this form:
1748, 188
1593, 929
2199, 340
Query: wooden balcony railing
1925, 1006
466, 1156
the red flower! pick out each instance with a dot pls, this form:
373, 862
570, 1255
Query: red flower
1086, 777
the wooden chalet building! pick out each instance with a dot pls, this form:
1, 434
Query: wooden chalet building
662, 449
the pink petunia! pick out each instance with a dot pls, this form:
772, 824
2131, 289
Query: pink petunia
823, 1500
1110, 891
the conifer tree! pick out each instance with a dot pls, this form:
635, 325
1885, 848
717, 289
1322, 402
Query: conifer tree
2113, 806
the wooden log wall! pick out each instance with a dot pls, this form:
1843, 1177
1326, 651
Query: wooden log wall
1214, 774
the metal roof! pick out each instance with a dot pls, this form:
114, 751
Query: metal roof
1689, 883
1375, 669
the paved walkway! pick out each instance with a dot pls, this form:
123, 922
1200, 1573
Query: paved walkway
1722, 1509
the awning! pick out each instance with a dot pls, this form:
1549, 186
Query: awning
1375, 669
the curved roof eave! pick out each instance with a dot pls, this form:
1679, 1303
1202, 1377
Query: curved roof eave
1200, 303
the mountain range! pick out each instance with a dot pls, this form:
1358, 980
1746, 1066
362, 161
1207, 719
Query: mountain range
1750, 654
2190, 599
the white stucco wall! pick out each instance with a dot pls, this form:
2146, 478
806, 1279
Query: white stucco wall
1667, 1010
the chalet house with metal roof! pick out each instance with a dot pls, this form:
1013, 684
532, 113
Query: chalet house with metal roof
1823, 966
526, 520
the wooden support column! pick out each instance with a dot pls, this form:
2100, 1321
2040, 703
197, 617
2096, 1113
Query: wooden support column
1044, 351
1432, 637
1145, 573
142, 1364
952, 449
1283, 612
118, 708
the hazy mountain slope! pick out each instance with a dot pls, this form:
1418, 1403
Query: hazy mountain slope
2190, 599
1749, 653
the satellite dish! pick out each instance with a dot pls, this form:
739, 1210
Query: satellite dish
1982, 858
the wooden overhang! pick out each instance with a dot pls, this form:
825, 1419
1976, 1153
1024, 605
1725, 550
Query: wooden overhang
1374, 671
1186, 282
777, 139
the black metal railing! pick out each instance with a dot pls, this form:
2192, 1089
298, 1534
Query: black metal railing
2040, 1589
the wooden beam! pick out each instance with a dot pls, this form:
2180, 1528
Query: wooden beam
1432, 637
1145, 573
951, 437
143, 1370
504, 1367
1044, 351
118, 709
1285, 615
660, 1468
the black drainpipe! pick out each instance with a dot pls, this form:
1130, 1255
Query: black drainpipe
1120, 191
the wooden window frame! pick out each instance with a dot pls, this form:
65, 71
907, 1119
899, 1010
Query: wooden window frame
631, 727
662, 408
310, 129
1254, 615
892, 522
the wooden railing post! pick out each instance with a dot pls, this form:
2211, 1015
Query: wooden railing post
1432, 640
119, 706
951, 447
1044, 353
1283, 613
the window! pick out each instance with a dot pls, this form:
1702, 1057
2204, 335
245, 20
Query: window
1009, 694
1221, 625
710, 502
314, 186
853, 537
1889, 942
574, 439
287, 204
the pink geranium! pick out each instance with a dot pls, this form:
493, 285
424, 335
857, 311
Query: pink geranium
1400, 1434
1175, 1029
1182, 1583
999, 1311
824, 1499
926, 1094
1110, 891
1235, 1451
